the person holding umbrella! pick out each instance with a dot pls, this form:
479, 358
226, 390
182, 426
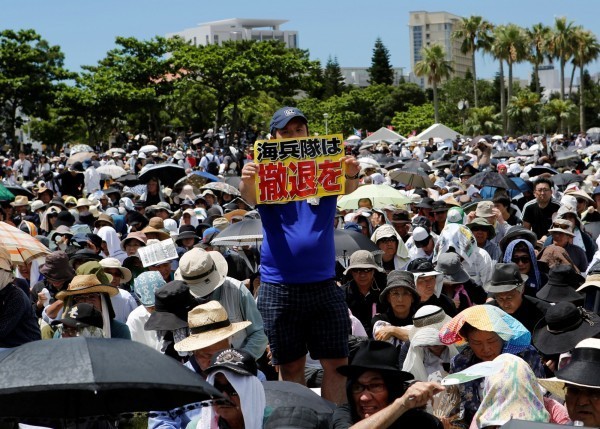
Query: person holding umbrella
18, 323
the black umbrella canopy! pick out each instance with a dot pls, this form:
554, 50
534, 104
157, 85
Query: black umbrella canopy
167, 173
19, 190
84, 377
129, 180
244, 233
493, 179
280, 394
564, 179
414, 165
347, 242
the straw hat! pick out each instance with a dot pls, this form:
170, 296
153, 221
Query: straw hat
20, 201
203, 271
87, 283
208, 325
114, 263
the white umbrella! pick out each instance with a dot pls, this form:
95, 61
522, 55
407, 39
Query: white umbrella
149, 148
438, 140
367, 162
115, 150
112, 170
353, 138
380, 195
497, 137
78, 148
140, 136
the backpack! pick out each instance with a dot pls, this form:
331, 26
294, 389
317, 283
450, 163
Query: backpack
212, 167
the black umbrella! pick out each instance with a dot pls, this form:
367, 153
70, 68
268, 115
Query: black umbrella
565, 158
493, 179
244, 233
415, 178
565, 179
168, 174
129, 180
438, 154
285, 394
83, 377
347, 242
414, 165
19, 190
540, 169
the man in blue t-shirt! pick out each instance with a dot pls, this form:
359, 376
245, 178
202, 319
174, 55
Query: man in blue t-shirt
302, 307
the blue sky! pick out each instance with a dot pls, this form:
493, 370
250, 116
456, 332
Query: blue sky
86, 29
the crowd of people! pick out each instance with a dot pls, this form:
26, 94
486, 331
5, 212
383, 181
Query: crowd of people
458, 272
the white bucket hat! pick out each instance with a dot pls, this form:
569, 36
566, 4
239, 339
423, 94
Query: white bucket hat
203, 271
114, 263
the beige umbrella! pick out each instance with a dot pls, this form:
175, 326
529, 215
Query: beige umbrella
21, 246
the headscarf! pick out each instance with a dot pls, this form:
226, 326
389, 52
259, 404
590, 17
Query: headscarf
109, 235
386, 230
417, 352
488, 318
252, 400
45, 224
458, 237
508, 254
512, 393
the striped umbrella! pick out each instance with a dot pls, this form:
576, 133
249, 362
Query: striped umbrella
21, 246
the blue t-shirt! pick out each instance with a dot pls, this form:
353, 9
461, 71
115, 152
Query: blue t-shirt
298, 244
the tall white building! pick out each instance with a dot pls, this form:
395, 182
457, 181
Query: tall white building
238, 29
429, 28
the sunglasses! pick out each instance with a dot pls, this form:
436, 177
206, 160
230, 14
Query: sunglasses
560, 226
522, 259
362, 270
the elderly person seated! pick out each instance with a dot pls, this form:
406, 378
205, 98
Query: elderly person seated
395, 253
579, 384
507, 288
484, 232
429, 283
362, 292
378, 396
82, 320
488, 332
562, 236
234, 373
403, 300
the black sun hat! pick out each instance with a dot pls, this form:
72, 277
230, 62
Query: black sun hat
378, 356
563, 326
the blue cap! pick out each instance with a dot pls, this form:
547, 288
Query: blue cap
284, 115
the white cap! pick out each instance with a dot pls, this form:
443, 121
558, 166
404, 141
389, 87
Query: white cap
420, 234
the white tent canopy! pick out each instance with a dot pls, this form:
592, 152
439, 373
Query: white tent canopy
383, 134
438, 130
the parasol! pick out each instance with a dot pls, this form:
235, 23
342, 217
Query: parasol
21, 246
380, 195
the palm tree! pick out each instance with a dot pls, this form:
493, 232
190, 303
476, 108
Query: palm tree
560, 45
510, 45
474, 32
525, 106
557, 112
483, 120
436, 68
587, 49
538, 37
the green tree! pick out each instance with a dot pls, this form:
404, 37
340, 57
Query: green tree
31, 72
587, 50
560, 45
474, 32
436, 68
512, 45
234, 70
416, 118
557, 112
333, 79
483, 120
524, 107
381, 71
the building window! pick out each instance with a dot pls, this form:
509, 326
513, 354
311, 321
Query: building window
207, 40
216, 39
292, 41
256, 36
195, 43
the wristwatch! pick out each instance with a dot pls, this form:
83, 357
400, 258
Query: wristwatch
352, 177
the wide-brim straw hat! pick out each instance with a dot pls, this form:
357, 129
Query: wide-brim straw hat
162, 235
87, 283
203, 271
208, 324
20, 201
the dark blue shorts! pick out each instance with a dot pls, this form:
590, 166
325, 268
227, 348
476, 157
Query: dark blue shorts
298, 317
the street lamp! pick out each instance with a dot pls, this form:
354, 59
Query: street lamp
326, 116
